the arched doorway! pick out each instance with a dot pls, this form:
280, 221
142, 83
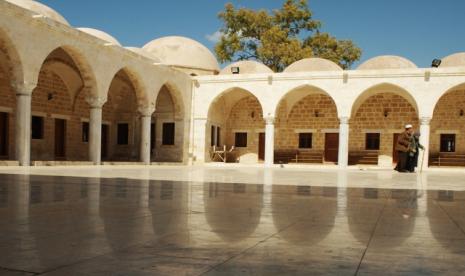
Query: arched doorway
59, 109
378, 117
447, 139
235, 119
307, 127
168, 125
120, 120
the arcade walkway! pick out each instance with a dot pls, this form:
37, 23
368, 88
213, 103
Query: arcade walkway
229, 221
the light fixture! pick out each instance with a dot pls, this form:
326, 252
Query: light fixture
50, 96
436, 63
235, 70
386, 113
461, 113
252, 114
317, 113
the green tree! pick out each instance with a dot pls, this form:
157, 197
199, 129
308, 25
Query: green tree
279, 38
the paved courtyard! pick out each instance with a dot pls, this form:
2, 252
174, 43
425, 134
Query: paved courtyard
179, 220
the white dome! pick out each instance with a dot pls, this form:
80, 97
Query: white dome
100, 34
454, 60
386, 62
40, 8
312, 64
144, 53
247, 67
183, 52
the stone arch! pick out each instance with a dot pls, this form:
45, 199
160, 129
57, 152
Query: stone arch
120, 115
65, 80
379, 114
169, 125
236, 110
448, 120
11, 77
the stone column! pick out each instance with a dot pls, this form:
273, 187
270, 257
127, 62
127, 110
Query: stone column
95, 130
200, 127
145, 127
23, 124
424, 140
343, 155
269, 141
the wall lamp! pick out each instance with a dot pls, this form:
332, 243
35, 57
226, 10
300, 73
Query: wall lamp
235, 70
50, 96
436, 63
386, 113
317, 113
461, 113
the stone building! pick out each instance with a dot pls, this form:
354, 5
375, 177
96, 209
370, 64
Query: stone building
76, 95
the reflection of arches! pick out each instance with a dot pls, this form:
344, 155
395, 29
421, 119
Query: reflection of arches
314, 208
449, 118
304, 109
234, 111
233, 211
364, 207
168, 203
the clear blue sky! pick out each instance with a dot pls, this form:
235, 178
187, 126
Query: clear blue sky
419, 30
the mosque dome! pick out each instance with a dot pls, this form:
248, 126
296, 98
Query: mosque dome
100, 34
183, 52
40, 8
386, 62
454, 60
247, 67
143, 53
312, 64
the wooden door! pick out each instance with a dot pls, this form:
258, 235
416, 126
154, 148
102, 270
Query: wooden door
395, 158
331, 147
3, 134
152, 138
60, 139
261, 146
104, 146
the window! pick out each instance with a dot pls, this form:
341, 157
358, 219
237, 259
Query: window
447, 142
85, 132
240, 139
218, 136
372, 141
305, 140
168, 134
3, 134
37, 127
123, 134
212, 136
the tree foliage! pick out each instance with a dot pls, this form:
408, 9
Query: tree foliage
279, 38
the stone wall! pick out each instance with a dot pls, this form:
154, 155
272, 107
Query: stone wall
447, 120
370, 118
313, 113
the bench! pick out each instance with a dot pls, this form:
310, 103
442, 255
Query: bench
447, 159
284, 156
308, 156
364, 157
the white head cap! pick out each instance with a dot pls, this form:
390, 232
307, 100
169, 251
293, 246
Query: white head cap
408, 126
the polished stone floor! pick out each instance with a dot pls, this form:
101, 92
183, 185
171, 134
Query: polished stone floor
200, 221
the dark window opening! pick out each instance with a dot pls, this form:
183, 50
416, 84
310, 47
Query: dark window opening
37, 127
240, 139
85, 132
168, 134
372, 141
447, 142
123, 134
305, 140
218, 136
3, 134
212, 136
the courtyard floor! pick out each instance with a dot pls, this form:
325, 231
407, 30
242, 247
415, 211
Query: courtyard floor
231, 220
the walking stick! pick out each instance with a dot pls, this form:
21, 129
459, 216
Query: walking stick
422, 161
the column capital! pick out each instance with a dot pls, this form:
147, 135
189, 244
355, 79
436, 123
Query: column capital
146, 111
425, 120
269, 120
95, 101
344, 120
23, 88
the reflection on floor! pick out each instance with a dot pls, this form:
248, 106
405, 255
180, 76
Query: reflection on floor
63, 225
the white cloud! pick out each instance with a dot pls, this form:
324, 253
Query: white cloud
214, 37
